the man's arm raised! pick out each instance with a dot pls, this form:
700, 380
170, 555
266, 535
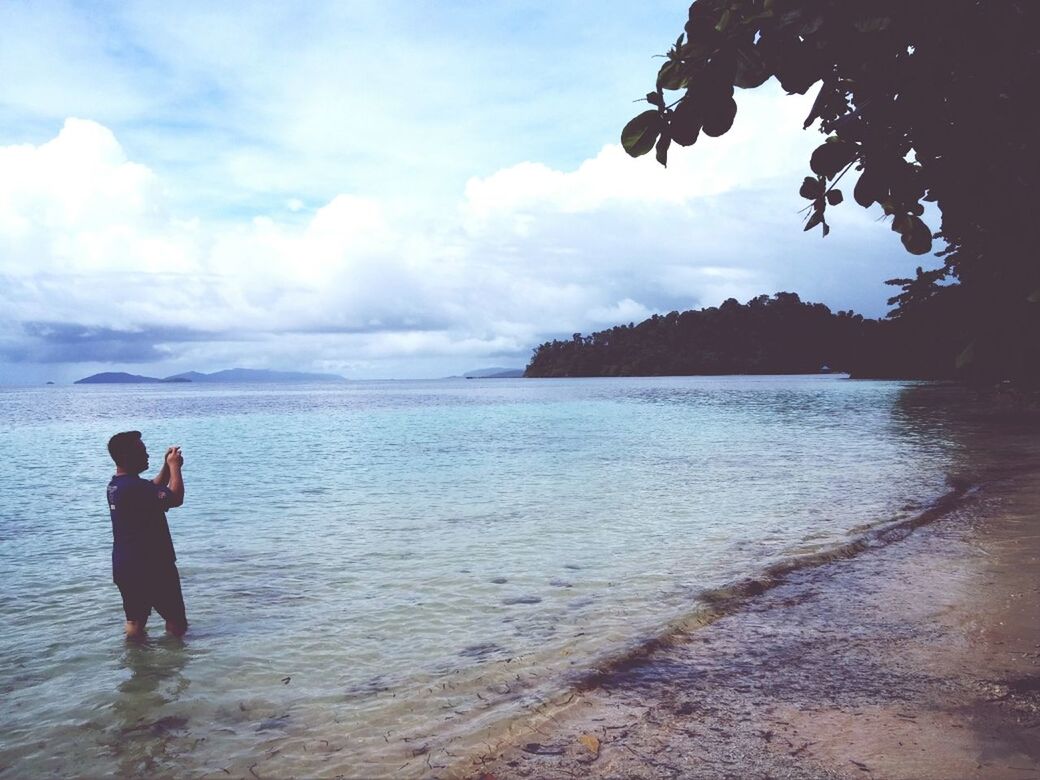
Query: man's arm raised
162, 479
174, 460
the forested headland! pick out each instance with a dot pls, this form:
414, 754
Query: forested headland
767, 335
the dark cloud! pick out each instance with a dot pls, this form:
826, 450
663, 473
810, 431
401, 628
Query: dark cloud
53, 342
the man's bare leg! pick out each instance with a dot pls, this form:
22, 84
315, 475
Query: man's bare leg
135, 629
177, 627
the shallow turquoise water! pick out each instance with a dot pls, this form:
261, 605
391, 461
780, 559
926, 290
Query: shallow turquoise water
372, 567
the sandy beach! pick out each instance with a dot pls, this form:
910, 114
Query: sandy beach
915, 658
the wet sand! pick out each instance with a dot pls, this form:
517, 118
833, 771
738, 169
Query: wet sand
914, 659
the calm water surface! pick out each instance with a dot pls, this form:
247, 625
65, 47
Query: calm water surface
380, 575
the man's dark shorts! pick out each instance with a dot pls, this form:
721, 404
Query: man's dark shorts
157, 589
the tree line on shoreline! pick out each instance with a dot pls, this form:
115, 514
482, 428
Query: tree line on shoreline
776, 335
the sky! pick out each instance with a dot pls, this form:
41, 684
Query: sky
378, 189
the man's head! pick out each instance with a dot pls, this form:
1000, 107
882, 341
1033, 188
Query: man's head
128, 451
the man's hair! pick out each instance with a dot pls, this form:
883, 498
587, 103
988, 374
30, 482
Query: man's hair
125, 449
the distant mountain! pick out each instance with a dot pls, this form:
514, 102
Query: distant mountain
228, 375
255, 375
122, 378
494, 373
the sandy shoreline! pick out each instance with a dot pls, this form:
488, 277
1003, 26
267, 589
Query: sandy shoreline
918, 659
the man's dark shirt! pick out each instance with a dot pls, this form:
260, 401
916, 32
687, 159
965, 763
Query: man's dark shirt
140, 536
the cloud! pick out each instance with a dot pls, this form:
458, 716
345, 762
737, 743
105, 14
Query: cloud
77, 204
241, 106
743, 157
97, 266
49, 342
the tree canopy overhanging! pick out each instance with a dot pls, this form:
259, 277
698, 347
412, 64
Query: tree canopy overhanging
929, 101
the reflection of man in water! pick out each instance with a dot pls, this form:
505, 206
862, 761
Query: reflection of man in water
150, 735
142, 552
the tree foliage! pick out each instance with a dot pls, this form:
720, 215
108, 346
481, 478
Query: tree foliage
767, 335
929, 101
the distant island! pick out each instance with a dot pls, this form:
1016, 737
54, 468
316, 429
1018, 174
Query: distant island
225, 376
767, 335
122, 378
494, 373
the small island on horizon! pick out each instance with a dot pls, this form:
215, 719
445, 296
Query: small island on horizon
225, 376
493, 373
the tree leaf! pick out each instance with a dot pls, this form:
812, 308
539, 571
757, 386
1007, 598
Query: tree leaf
751, 72
825, 98
817, 105
685, 124
719, 117
724, 21
640, 133
917, 238
662, 149
811, 188
829, 158
834, 197
720, 71
814, 220
792, 60
866, 190
671, 75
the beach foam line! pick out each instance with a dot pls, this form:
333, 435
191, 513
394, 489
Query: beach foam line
717, 603
712, 605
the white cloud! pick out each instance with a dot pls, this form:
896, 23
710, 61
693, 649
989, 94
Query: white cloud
623, 311
252, 104
88, 239
83, 198
743, 157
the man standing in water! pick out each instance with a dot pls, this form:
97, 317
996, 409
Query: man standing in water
143, 560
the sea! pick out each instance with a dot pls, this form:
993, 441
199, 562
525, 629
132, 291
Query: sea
382, 577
